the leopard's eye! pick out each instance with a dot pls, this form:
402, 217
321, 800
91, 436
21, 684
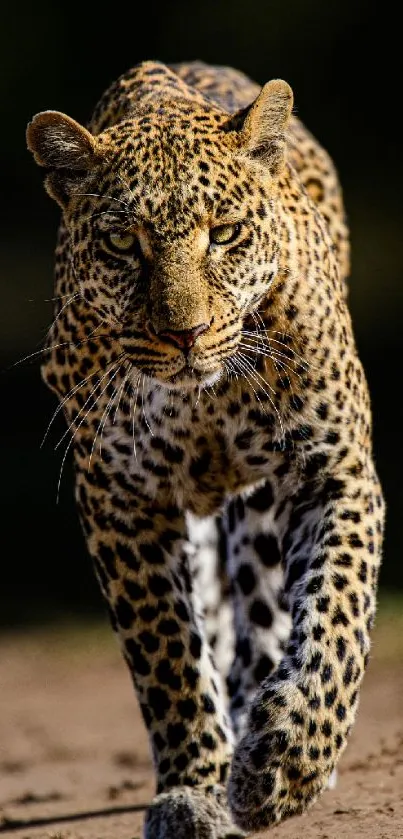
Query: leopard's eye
224, 234
120, 242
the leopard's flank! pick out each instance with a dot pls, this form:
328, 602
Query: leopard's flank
204, 357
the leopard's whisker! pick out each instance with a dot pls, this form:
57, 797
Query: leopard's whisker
103, 197
260, 325
52, 347
259, 379
269, 341
135, 389
143, 407
248, 360
108, 213
230, 369
68, 396
70, 442
258, 334
122, 387
260, 319
60, 312
95, 388
102, 422
56, 298
273, 355
283, 364
134, 200
246, 375
290, 337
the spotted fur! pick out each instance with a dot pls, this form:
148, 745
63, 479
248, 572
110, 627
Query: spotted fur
203, 355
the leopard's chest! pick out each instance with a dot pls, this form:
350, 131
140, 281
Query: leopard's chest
199, 457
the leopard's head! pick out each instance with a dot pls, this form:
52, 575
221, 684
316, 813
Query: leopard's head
173, 222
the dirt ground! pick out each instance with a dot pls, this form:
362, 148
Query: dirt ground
74, 761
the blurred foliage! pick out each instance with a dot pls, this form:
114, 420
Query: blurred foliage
343, 62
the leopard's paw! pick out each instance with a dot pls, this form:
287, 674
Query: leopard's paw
188, 813
283, 762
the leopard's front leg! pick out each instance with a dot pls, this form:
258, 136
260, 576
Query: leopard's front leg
138, 548
302, 714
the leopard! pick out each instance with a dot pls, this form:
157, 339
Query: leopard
219, 420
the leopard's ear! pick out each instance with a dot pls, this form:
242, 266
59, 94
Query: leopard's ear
66, 149
263, 129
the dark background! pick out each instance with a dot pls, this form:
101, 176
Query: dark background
343, 61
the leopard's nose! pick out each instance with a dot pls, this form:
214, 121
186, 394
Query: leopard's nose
183, 338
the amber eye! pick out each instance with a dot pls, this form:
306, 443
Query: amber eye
120, 242
224, 234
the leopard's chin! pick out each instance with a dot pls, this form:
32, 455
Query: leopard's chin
189, 378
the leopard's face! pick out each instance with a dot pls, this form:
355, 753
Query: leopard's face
172, 222
179, 235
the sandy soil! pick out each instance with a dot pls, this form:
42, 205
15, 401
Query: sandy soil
74, 761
